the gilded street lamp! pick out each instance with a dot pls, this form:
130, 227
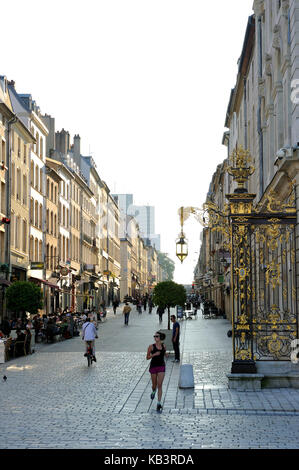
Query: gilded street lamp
181, 243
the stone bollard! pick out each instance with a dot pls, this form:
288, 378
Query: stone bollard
186, 376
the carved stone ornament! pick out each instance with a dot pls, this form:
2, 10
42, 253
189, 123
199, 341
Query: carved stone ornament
261, 87
285, 5
259, 7
268, 68
276, 37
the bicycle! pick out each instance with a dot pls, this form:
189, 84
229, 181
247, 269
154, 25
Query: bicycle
89, 353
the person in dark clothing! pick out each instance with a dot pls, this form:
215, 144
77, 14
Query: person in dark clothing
139, 306
28, 340
156, 353
115, 305
5, 327
160, 311
19, 347
176, 338
50, 331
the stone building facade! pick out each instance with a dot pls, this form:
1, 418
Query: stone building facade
263, 117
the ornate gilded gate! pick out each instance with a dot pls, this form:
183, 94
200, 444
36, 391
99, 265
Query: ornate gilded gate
263, 270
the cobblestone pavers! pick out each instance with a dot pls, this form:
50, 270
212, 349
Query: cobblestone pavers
148, 430
65, 404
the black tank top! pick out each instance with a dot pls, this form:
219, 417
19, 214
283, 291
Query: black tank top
158, 361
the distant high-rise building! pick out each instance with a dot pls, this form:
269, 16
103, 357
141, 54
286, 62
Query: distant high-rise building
145, 216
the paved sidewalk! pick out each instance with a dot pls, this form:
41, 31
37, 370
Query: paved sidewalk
65, 404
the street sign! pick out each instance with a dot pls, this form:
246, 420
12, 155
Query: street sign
37, 265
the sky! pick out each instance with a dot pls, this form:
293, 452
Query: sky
146, 85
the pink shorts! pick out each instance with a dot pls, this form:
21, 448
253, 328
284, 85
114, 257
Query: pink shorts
156, 370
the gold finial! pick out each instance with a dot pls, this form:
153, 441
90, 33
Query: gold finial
240, 168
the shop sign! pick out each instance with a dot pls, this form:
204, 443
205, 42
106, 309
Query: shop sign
36, 265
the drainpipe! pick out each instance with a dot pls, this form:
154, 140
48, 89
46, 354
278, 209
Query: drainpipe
259, 117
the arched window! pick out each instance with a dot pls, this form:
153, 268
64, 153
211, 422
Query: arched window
48, 186
41, 147
13, 182
31, 211
37, 143
19, 185
31, 248
51, 226
35, 250
25, 190
24, 244
40, 251
36, 177
63, 249
36, 214
40, 216
32, 173
12, 229
52, 261
47, 220
48, 260
41, 182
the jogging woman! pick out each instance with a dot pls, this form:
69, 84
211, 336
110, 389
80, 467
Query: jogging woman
156, 353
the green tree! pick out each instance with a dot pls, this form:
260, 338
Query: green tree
168, 294
167, 265
24, 296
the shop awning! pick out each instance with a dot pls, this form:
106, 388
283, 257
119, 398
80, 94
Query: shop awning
42, 281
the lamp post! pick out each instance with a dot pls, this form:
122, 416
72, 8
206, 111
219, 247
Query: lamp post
181, 243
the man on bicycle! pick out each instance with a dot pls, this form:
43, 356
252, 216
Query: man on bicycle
89, 333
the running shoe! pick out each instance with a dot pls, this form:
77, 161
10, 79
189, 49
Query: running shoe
159, 408
94, 358
153, 395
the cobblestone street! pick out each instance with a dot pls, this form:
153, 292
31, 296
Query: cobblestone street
65, 404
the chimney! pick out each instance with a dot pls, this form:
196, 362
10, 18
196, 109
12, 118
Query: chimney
77, 147
62, 139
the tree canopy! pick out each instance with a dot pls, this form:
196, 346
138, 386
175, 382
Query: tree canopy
24, 296
168, 294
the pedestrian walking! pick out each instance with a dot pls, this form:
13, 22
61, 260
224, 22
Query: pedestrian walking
176, 338
150, 305
144, 303
139, 306
115, 304
126, 313
160, 311
156, 353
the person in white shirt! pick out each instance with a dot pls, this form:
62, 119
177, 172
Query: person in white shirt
89, 333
